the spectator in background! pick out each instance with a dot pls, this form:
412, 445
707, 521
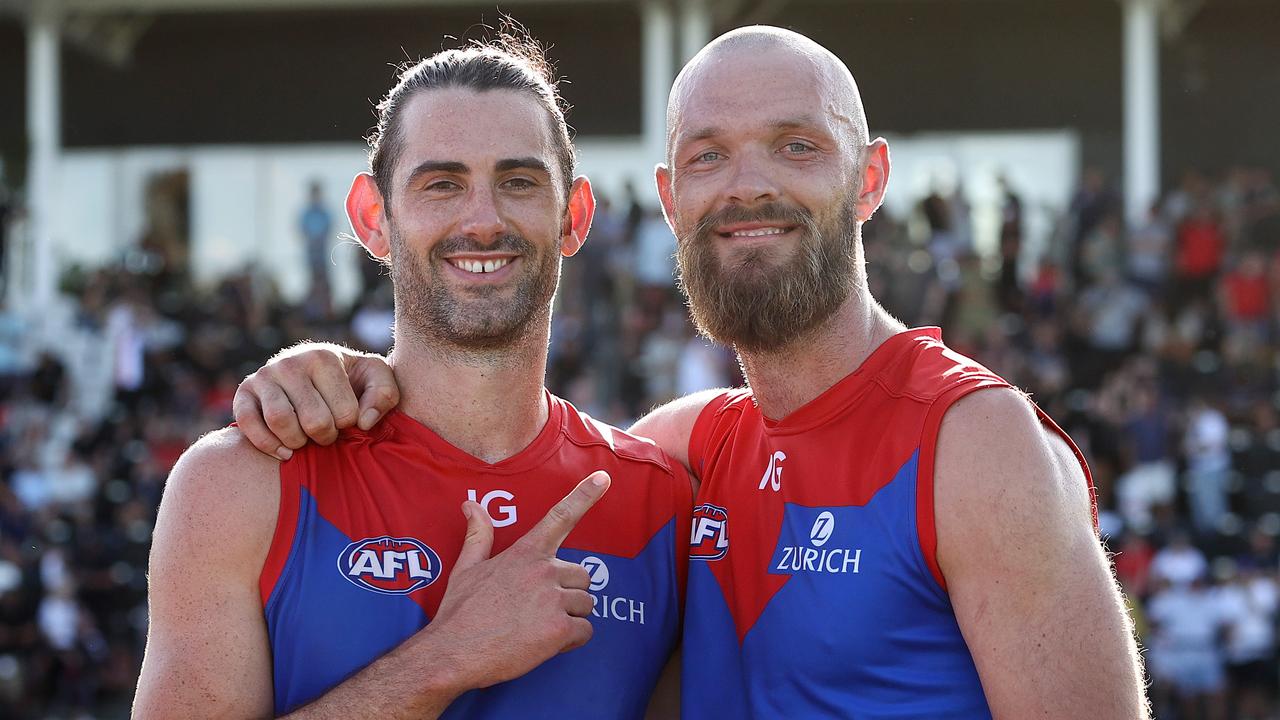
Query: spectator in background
1184, 658
1247, 603
1152, 478
1246, 297
1208, 463
1091, 203
315, 224
1199, 253
1179, 563
1008, 287
1148, 253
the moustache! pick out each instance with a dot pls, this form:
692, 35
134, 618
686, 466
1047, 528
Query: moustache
514, 244
773, 212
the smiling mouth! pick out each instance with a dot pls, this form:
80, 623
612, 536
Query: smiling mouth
757, 232
479, 266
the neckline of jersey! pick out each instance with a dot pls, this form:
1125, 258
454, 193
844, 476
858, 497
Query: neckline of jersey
845, 393
535, 453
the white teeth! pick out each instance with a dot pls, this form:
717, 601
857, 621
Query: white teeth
480, 266
758, 233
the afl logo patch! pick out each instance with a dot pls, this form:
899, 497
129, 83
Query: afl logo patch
710, 533
393, 566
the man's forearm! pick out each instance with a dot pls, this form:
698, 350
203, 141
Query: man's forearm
397, 685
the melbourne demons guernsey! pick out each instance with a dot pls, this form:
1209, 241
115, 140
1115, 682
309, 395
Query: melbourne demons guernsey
369, 529
814, 591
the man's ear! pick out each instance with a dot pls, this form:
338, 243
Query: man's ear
662, 178
577, 220
365, 210
874, 180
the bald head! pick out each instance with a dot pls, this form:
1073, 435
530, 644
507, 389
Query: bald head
770, 56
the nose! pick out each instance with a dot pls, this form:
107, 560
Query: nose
481, 219
750, 182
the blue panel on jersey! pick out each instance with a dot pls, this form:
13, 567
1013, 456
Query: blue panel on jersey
322, 627
860, 629
613, 675
712, 684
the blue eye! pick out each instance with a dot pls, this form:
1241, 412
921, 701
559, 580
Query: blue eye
709, 156
797, 147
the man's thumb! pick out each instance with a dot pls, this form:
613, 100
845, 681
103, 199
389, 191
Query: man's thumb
478, 543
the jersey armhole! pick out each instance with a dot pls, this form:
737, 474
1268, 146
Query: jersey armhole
1048, 422
286, 527
926, 529
683, 518
925, 520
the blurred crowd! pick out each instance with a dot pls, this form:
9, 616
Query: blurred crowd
1154, 345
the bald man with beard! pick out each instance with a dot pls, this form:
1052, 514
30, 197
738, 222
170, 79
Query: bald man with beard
911, 536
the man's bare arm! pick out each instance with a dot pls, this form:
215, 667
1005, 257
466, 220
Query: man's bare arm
313, 390
1032, 588
207, 649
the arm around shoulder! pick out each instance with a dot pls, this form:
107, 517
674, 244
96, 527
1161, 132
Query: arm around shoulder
1030, 583
207, 650
671, 425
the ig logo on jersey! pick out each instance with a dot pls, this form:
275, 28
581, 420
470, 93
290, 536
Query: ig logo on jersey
773, 473
710, 538
506, 514
392, 566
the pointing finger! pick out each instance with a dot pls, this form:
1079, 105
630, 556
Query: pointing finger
560, 520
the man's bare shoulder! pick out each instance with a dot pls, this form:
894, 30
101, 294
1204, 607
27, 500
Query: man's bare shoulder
221, 489
994, 449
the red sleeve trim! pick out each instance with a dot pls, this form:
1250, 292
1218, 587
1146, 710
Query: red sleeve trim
291, 474
1084, 465
700, 435
683, 493
926, 528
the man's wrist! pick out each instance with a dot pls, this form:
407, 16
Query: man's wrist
450, 670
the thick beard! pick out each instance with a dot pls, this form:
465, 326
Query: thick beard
478, 319
758, 305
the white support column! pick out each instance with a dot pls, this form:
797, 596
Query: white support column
44, 126
658, 42
695, 28
1141, 106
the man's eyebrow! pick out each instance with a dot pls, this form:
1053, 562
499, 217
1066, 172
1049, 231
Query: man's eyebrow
799, 121
430, 166
527, 163
790, 123
701, 133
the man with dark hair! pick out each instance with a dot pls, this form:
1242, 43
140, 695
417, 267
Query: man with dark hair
323, 583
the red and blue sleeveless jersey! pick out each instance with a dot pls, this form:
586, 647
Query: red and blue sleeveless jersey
814, 590
369, 529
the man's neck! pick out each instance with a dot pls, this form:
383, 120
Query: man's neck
489, 405
786, 379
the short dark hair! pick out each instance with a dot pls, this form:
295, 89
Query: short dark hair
511, 60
